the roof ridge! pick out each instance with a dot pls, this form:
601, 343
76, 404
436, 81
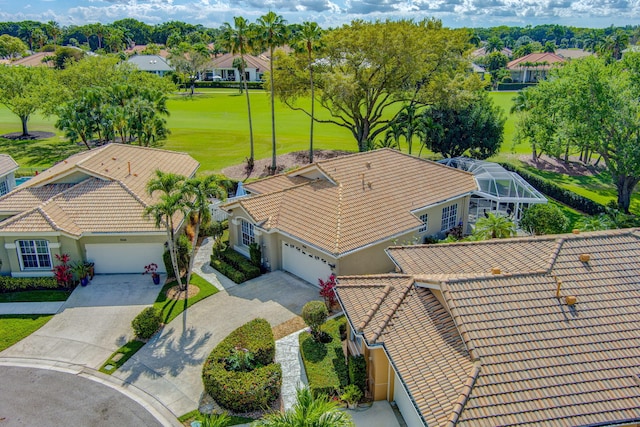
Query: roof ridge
376, 276
374, 308
460, 327
338, 219
554, 254
389, 314
464, 394
21, 215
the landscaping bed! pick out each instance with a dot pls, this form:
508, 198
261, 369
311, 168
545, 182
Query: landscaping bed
44, 295
171, 308
234, 266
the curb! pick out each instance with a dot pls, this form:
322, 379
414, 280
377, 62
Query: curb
148, 402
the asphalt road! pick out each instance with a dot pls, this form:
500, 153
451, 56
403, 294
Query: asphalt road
46, 398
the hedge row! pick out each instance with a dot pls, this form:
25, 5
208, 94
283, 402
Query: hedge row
235, 266
244, 391
15, 284
558, 193
226, 84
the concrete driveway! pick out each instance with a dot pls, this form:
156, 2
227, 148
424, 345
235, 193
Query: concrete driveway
93, 323
169, 366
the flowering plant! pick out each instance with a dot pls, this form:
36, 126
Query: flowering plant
62, 272
328, 291
151, 268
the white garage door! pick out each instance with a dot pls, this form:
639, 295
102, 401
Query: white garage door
298, 261
406, 407
125, 257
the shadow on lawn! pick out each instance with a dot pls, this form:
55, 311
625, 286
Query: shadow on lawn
38, 152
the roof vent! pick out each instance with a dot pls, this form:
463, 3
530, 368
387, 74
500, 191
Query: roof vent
368, 165
570, 300
559, 283
576, 231
585, 257
495, 270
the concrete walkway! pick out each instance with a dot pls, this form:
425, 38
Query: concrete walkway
293, 373
52, 307
203, 269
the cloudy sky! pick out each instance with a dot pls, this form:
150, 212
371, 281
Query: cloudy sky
212, 13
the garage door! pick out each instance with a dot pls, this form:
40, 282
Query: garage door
298, 261
405, 405
125, 257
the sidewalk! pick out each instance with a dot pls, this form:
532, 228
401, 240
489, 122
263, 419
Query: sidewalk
31, 307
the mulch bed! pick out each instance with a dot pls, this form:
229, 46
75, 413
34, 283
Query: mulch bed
573, 168
176, 294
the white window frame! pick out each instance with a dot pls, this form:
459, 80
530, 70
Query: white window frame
4, 187
449, 217
247, 233
33, 245
425, 223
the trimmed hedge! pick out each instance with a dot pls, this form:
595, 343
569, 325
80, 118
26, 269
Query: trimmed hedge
569, 198
147, 323
16, 284
358, 372
226, 84
244, 391
514, 86
235, 266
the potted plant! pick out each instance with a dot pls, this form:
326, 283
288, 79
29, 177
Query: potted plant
153, 270
351, 395
81, 270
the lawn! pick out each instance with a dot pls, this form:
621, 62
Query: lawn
35, 296
15, 327
127, 350
325, 363
171, 308
196, 415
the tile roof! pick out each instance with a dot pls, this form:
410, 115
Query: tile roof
226, 61
150, 63
35, 60
540, 361
539, 61
109, 196
361, 198
7, 164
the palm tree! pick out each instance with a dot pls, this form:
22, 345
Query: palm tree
309, 35
272, 32
235, 40
54, 30
171, 203
309, 411
494, 226
198, 191
407, 124
494, 44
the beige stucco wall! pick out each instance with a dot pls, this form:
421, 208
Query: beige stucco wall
378, 371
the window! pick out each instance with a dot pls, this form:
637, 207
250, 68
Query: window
247, 233
425, 223
4, 188
449, 217
34, 254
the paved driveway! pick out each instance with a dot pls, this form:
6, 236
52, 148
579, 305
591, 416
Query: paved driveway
93, 323
169, 366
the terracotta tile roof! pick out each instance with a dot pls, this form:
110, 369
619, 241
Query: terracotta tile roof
35, 60
363, 198
226, 61
544, 61
406, 319
7, 164
109, 197
540, 362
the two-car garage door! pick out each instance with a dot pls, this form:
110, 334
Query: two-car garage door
298, 261
112, 258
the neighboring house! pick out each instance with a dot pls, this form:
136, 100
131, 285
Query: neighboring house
480, 71
534, 67
8, 167
138, 49
531, 332
91, 207
154, 64
573, 53
483, 52
338, 215
223, 66
38, 59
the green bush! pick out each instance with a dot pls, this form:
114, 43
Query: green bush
15, 284
244, 390
314, 314
228, 271
235, 266
146, 323
358, 372
544, 219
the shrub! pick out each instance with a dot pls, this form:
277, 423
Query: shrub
544, 219
246, 389
255, 254
358, 371
146, 323
184, 248
235, 266
351, 394
314, 314
62, 271
16, 284
328, 291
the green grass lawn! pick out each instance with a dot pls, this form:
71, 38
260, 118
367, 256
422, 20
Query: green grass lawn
35, 296
15, 327
127, 350
172, 308
325, 363
196, 415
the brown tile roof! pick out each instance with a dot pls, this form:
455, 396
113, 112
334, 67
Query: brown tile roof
226, 61
7, 164
110, 197
406, 319
541, 362
35, 60
365, 198
544, 61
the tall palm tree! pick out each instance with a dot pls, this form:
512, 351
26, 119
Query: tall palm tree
309, 411
407, 121
309, 35
236, 40
171, 203
272, 32
494, 226
198, 191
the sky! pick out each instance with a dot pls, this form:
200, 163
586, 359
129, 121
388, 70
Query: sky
331, 13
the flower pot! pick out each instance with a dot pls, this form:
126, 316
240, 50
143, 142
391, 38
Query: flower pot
84, 281
352, 405
156, 278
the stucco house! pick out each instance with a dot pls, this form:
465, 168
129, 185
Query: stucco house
91, 207
154, 64
338, 215
8, 167
223, 66
528, 331
534, 67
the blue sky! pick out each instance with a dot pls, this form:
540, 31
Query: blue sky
212, 13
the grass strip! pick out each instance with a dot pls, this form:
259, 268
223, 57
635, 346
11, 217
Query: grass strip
196, 415
171, 308
14, 327
127, 350
35, 296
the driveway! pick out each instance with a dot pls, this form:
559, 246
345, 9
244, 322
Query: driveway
93, 323
169, 366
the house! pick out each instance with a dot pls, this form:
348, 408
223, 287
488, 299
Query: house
338, 215
91, 207
140, 48
8, 167
38, 59
533, 67
573, 53
223, 66
527, 331
480, 52
154, 64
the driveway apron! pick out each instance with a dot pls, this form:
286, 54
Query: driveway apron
169, 366
93, 323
